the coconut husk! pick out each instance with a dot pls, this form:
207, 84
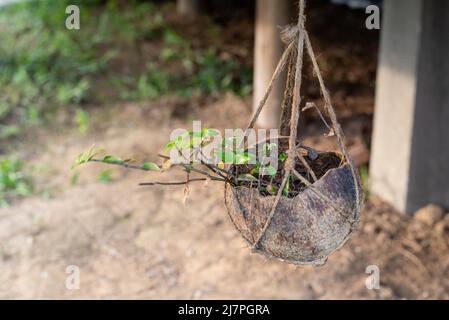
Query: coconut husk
303, 230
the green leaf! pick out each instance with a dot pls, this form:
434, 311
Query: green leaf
13, 180
269, 170
197, 134
210, 132
105, 176
283, 156
112, 160
150, 166
170, 145
228, 142
184, 141
255, 170
82, 121
172, 38
241, 158
9, 131
85, 157
247, 177
244, 158
226, 157
183, 145
286, 190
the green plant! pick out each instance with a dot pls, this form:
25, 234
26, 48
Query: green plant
189, 147
204, 73
208, 74
42, 64
8, 131
13, 181
82, 121
151, 84
106, 176
45, 67
216, 75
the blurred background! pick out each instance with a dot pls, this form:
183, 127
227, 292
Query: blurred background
136, 70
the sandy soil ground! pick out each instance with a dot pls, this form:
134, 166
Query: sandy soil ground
135, 242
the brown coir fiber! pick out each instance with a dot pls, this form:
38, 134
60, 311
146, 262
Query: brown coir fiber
305, 229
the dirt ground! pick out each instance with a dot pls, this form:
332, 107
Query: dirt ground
145, 243
138, 242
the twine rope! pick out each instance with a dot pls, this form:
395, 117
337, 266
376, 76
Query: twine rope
296, 37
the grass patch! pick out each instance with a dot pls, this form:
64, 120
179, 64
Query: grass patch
44, 67
42, 64
14, 183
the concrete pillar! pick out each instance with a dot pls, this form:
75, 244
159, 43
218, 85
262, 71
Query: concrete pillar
410, 152
270, 16
189, 8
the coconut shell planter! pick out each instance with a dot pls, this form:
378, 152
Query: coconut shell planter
304, 229
306, 226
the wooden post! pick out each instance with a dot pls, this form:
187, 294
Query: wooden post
410, 152
189, 8
270, 16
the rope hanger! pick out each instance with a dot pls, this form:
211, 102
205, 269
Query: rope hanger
297, 40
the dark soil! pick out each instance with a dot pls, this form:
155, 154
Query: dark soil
319, 162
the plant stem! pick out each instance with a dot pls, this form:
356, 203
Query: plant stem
178, 183
124, 165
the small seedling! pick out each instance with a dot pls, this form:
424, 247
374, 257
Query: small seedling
187, 151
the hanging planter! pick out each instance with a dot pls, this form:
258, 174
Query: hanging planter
320, 218
303, 210
304, 229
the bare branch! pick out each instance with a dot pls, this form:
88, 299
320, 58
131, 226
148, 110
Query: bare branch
122, 164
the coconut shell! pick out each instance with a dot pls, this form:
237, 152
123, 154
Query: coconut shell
304, 230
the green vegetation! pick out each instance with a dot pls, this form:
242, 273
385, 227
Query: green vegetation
199, 72
124, 50
13, 181
42, 64
106, 176
215, 75
82, 121
44, 67
190, 146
